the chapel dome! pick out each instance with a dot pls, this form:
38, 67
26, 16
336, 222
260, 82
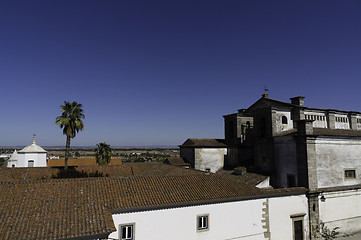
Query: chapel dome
33, 148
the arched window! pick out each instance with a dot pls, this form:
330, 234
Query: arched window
31, 163
284, 120
13, 165
248, 124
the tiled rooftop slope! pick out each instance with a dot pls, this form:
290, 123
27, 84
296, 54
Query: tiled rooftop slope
71, 208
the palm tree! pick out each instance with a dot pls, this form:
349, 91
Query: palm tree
103, 153
71, 123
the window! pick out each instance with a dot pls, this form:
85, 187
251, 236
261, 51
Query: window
202, 223
291, 180
350, 174
284, 120
31, 163
127, 232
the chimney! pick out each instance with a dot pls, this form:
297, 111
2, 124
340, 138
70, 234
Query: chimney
300, 101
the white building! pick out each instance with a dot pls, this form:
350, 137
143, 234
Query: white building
13, 159
30, 156
204, 154
278, 217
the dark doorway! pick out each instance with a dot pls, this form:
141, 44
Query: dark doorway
298, 228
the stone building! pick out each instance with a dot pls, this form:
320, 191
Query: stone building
302, 146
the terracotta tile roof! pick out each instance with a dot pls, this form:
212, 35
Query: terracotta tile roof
246, 177
56, 209
70, 208
126, 169
176, 161
197, 142
51, 210
79, 162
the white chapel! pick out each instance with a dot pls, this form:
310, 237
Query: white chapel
30, 156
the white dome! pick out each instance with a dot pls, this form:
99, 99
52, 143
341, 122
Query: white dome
32, 148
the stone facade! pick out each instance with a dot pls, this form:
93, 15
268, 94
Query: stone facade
300, 146
294, 144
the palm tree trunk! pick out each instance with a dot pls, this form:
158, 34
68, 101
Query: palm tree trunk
67, 148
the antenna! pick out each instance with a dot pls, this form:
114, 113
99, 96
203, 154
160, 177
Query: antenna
266, 89
265, 94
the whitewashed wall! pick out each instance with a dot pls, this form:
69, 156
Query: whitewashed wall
280, 211
234, 220
209, 158
342, 209
38, 158
333, 156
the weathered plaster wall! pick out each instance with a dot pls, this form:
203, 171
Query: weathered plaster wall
342, 209
342, 121
209, 158
264, 157
279, 127
285, 159
333, 156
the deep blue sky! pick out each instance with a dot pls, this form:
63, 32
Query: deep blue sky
159, 72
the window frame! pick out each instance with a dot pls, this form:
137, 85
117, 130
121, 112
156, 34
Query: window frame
202, 228
295, 218
126, 225
349, 170
31, 163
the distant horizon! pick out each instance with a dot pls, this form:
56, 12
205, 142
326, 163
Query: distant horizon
113, 147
